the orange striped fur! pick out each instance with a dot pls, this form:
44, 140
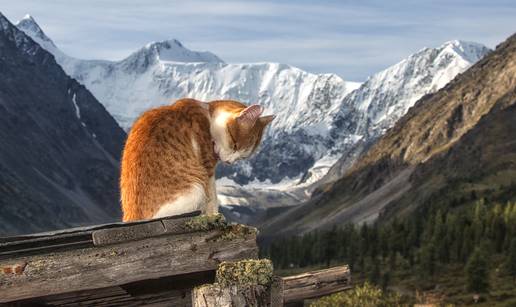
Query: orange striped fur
169, 159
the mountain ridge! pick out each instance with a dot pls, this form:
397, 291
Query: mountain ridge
388, 177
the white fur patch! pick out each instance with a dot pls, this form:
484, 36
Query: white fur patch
220, 135
191, 200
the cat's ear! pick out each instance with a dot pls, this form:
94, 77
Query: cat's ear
249, 115
265, 120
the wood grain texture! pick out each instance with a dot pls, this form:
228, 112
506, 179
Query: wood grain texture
166, 291
81, 237
115, 296
217, 295
316, 284
122, 263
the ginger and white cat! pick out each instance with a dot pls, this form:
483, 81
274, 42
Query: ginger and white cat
169, 159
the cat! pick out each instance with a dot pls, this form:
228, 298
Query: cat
169, 159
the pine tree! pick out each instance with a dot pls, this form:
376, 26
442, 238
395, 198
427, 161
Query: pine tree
386, 279
374, 274
477, 272
352, 248
330, 248
467, 244
511, 261
479, 220
438, 238
427, 259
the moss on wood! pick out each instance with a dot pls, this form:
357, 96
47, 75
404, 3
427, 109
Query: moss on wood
229, 232
235, 231
245, 272
206, 222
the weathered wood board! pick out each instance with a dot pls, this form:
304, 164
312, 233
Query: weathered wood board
116, 255
315, 284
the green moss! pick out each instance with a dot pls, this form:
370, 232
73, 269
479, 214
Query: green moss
206, 222
235, 231
228, 232
245, 272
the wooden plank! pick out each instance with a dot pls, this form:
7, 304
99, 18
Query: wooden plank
217, 295
76, 298
315, 284
245, 283
113, 296
176, 226
103, 237
114, 265
277, 292
39, 243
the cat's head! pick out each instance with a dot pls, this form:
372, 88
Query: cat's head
236, 129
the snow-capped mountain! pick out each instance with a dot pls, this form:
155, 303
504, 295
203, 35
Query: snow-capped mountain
320, 117
386, 96
161, 72
364, 115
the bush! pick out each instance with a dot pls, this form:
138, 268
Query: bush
366, 295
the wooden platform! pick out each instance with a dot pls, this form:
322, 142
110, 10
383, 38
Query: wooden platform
155, 262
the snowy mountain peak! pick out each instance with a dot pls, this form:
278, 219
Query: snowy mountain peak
29, 25
387, 95
29, 18
174, 51
11, 33
164, 44
165, 53
469, 51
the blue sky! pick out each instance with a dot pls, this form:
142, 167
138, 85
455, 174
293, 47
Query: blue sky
351, 38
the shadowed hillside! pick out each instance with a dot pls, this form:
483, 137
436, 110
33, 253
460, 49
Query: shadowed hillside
457, 141
60, 148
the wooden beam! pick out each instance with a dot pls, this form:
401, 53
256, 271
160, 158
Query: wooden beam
216, 295
167, 291
125, 259
246, 283
315, 284
81, 237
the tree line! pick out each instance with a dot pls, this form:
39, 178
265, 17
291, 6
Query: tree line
426, 239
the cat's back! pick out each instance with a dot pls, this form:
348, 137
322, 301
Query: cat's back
182, 116
159, 155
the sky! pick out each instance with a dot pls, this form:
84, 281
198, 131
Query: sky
353, 39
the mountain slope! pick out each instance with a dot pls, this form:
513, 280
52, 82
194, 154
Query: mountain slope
386, 96
452, 137
60, 147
